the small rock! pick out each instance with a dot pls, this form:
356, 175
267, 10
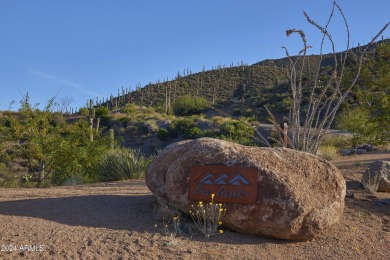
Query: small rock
378, 174
361, 151
353, 151
383, 202
367, 147
345, 152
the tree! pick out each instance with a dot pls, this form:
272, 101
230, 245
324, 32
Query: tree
37, 139
369, 121
317, 99
54, 151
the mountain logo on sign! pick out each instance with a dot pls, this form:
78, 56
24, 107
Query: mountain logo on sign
221, 179
207, 178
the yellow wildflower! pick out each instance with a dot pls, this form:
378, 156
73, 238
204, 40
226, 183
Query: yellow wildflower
220, 223
221, 231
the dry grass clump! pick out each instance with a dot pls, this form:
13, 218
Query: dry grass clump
337, 140
173, 231
219, 120
328, 152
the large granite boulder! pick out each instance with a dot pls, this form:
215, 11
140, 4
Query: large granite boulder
377, 176
298, 195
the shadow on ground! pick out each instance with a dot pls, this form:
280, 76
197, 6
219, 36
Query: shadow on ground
101, 211
136, 213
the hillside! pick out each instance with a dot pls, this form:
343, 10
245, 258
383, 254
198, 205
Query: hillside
233, 89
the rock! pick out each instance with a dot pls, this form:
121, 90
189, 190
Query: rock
378, 174
361, 151
350, 194
352, 151
367, 147
299, 195
345, 152
383, 202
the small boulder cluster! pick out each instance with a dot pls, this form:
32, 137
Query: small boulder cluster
361, 149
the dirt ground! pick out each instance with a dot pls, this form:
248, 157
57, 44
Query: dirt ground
117, 221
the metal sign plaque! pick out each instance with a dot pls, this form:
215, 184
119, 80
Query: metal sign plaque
231, 184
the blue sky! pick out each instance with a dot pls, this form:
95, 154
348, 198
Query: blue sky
85, 49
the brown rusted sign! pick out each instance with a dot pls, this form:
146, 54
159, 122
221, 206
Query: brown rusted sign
232, 184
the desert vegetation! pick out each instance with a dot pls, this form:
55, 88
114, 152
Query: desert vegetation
348, 91
49, 147
320, 104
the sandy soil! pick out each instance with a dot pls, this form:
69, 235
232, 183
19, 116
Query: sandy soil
116, 221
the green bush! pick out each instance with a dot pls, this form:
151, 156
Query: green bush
185, 126
120, 164
162, 134
83, 111
192, 132
237, 129
130, 109
249, 112
238, 132
358, 122
188, 105
102, 112
237, 111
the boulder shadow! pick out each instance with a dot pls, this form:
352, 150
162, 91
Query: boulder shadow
100, 211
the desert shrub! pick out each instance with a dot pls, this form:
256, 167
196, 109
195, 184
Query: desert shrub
130, 109
339, 141
83, 111
142, 129
237, 111
239, 140
219, 120
181, 126
7, 179
57, 119
162, 134
124, 121
151, 126
192, 132
237, 129
228, 129
120, 164
102, 112
206, 133
188, 105
207, 217
358, 122
249, 112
